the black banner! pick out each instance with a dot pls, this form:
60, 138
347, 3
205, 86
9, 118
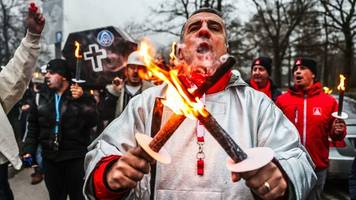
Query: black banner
104, 54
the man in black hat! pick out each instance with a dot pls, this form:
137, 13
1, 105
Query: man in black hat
61, 123
310, 109
260, 77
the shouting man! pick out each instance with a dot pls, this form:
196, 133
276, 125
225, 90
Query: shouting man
116, 167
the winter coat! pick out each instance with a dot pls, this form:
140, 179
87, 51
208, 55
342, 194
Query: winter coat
77, 117
310, 111
113, 103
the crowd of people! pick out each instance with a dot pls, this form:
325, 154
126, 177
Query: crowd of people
83, 145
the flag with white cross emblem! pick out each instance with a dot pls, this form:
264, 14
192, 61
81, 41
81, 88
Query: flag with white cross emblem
105, 51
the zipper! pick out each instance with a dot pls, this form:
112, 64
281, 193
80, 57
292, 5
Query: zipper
296, 116
305, 120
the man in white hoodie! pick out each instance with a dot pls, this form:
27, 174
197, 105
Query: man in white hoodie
14, 79
116, 167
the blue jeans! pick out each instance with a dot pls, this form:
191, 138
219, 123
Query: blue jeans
352, 181
39, 158
5, 190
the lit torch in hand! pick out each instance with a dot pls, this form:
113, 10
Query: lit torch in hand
341, 87
78, 57
327, 90
186, 103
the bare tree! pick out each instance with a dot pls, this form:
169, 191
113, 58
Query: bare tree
308, 38
173, 13
342, 15
11, 27
277, 20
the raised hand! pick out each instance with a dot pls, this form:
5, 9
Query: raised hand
76, 90
35, 20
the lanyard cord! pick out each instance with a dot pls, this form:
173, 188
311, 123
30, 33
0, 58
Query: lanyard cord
58, 114
200, 141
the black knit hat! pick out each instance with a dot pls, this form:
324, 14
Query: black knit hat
306, 62
59, 66
266, 62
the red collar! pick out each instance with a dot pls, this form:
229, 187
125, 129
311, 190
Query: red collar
198, 79
266, 89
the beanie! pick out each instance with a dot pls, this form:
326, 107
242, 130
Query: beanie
60, 67
265, 62
306, 62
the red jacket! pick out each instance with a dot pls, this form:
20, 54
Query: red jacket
310, 111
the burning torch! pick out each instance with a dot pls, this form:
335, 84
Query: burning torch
78, 57
241, 161
341, 87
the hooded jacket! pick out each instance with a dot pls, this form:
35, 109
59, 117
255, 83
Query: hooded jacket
14, 79
250, 118
310, 111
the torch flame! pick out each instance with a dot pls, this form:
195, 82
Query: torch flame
77, 49
327, 90
341, 86
176, 98
172, 55
36, 75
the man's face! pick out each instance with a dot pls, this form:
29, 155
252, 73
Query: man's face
132, 74
204, 42
303, 77
54, 80
259, 74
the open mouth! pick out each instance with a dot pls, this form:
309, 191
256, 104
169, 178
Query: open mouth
298, 78
203, 48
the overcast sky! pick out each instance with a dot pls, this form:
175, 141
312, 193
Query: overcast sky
81, 15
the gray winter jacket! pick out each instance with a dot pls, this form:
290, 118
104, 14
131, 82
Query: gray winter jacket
249, 116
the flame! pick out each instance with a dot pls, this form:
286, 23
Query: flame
77, 49
172, 55
36, 75
177, 97
91, 92
341, 86
327, 90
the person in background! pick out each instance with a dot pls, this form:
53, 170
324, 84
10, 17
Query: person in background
14, 79
261, 69
121, 91
61, 124
31, 96
310, 109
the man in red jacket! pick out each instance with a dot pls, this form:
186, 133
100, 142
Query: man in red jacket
309, 108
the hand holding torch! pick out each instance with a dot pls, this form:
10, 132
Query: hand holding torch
241, 161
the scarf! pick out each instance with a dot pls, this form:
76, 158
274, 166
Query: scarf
266, 89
